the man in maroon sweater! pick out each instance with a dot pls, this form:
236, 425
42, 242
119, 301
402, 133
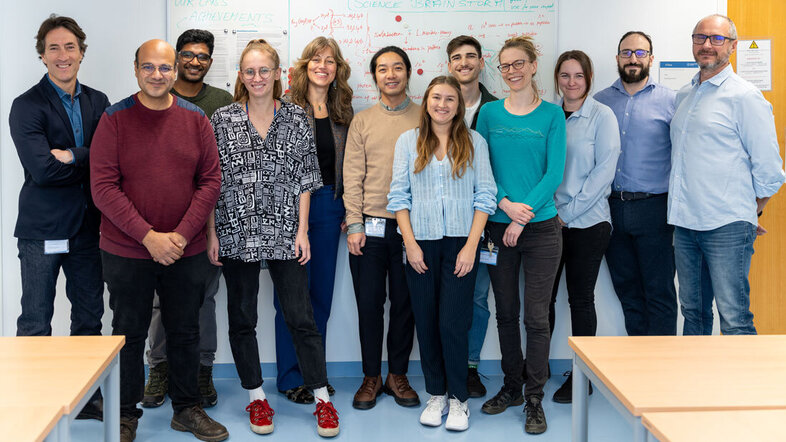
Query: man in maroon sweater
155, 177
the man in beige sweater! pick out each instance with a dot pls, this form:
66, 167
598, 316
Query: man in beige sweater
374, 245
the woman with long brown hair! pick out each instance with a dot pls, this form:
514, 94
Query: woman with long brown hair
268, 171
442, 192
318, 85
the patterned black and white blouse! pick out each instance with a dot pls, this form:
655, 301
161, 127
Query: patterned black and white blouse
261, 182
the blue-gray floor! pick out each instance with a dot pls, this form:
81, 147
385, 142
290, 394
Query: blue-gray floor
386, 422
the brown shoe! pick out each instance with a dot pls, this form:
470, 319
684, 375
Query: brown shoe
196, 421
397, 386
366, 396
128, 428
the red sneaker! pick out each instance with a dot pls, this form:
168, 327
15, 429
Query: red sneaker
261, 417
327, 419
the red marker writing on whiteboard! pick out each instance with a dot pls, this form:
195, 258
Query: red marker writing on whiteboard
420, 71
398, 18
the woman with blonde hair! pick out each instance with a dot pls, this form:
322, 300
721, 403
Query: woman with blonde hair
442, 192
318, 85
526, 137
268, 170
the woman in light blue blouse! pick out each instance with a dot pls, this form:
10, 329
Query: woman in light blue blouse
593, 146
442, 193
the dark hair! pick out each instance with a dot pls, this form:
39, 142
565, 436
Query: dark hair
195, 36
53, 22
586, 68
629, 33
462, 40
385, 50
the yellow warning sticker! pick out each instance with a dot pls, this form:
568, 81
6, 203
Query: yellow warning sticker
754, 45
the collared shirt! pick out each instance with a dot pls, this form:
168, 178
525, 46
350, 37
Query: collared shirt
643, 118
257, 214
400, 107
439, 204
725, 153
593, 148
73, 110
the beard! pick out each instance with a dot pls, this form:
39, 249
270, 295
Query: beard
644, 72
720, 60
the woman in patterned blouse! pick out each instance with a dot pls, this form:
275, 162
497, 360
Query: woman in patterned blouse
319, 85
268, 171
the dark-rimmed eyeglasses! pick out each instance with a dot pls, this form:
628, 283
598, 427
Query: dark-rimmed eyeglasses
187, 56
715, 40
627, 53
518, 64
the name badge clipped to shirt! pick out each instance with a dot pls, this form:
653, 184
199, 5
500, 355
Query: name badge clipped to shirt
375, 227
55, 246
488, 254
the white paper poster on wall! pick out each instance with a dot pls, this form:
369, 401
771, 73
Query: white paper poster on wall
754, 62
676, 74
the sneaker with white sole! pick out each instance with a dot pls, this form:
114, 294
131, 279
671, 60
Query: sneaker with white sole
458, 416
436, 407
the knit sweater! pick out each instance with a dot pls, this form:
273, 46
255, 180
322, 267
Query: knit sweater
153, 169
208, 99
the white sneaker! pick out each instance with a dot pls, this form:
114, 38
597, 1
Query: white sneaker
458, 417
436, 407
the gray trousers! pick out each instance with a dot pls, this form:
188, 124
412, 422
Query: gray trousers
207, 327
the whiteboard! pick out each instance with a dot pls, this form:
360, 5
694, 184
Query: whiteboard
422, 28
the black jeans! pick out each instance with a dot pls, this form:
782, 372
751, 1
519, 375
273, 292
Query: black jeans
582, 253
641, 264
181, 287
291, 282
539, 246
381, 259
442, 304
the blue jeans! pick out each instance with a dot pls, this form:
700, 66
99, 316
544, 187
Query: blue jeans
324, 233
480, 313
84, 285
726, 254
641, 264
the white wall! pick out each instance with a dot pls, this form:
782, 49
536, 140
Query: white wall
114, 31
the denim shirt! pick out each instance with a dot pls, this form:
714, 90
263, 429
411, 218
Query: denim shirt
725, 153
439, 204
593, 148
73, 110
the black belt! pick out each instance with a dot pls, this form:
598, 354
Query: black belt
632, 196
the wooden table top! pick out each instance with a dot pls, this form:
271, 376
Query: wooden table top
689, 373
719, 426
28, 423
39, 370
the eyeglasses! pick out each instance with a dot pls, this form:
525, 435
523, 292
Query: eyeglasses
518, 64
187, 56
627, 53
715, 40
150, 69
264, 73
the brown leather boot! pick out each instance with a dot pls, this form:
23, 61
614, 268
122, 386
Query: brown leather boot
196, 421
366, 396
397, 385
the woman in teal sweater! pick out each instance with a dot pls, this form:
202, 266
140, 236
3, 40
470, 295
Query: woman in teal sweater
526, 138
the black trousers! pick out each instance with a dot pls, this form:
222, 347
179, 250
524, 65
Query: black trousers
291, 282
582, 253
181, 288
382, 259
442, 304
539, 248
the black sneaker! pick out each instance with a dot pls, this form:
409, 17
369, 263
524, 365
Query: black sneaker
207, 391
536, 419
128, 428
195, 421
157, 385
501, 401
299, 395
564, 395
475, 387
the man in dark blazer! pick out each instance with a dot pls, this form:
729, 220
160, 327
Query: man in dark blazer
52, 125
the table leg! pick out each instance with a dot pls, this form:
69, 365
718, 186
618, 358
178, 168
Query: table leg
639, 431
63, 430
111, 389
580, 399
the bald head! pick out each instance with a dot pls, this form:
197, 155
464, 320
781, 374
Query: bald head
155, 47
718, 21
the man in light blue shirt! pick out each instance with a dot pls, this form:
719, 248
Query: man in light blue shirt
725, 166
640, 253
